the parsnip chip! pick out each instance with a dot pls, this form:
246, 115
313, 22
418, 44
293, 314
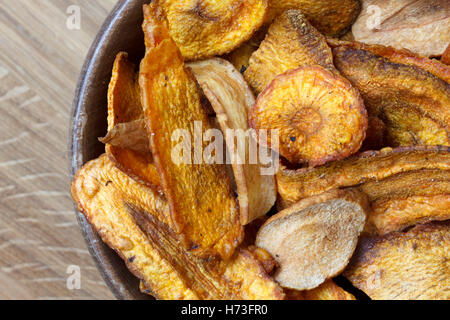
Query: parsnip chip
206, 28
129, 135
202, 203
409, 265
320, 117
332, 18
412, 102
294, 185
127, 149
401, 56
231, 99
422, 26
313, 240
154, 255
291, 42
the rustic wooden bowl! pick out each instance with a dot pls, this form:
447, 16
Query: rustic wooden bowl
120, 32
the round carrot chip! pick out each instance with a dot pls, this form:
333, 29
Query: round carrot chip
320, 117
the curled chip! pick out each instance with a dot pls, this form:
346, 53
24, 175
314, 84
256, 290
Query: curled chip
150, 248
231, 99
291, 42
410, 265
401, 56
422, 26
314, 239
124, 108
406, 199
412, 102
204, 210
320, 117
294, 185
206, 28
129, 135
332, 18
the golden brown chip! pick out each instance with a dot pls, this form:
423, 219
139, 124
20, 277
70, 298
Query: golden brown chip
294, 185
231, 99
401, 56
124, 107
411, 265
412, 102
332, 18
202, 203
320, 117
206, 28
154, 255
422, 26
290, 43
397, 214
314, 239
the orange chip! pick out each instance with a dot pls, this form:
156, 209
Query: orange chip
203, 206
131, 219
291, 42
332, 18
320, 117
206, 28
124, 107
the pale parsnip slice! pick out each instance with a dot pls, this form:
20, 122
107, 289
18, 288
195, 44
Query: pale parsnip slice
231, 99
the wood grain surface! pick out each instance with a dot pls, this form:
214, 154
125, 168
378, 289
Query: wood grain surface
40, 59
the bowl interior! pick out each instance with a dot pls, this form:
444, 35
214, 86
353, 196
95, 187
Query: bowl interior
120, 32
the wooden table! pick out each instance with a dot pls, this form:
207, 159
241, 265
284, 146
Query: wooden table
40, 59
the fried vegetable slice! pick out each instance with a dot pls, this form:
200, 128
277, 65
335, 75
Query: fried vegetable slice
320, 117
129, 135
291, 42
202, 203
231, 99
397, 214
422, 26
294, 185
206, 28
165, 269
314, 239
412, 103
406, 199
124, 107
400, 56
409, 265
332, 18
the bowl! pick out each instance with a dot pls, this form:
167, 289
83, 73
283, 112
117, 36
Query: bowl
121, 31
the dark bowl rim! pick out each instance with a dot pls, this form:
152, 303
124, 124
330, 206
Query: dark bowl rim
77, 121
